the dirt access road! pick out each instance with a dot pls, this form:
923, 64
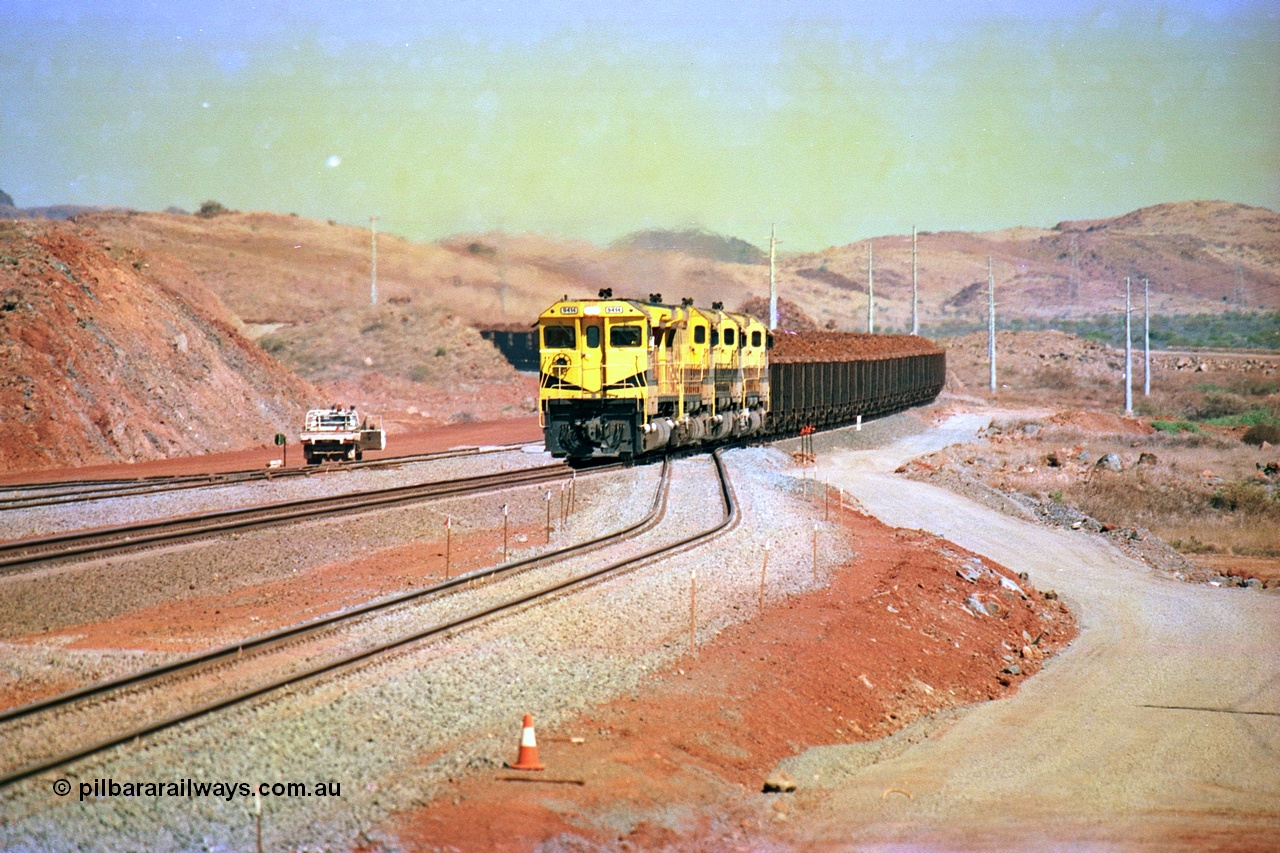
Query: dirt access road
1159, 728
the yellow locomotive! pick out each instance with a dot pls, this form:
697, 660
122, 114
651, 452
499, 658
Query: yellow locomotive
622, 377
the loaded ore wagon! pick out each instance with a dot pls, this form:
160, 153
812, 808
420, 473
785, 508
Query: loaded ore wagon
825, 379
628, 377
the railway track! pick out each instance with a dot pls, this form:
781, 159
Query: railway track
29, 554
38, 734
32, 495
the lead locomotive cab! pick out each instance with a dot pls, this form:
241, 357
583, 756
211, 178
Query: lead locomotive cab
621, 378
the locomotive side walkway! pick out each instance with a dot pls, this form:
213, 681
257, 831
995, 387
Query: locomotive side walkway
1159, 728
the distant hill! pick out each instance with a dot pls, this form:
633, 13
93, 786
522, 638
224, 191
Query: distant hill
790, 317
56, 211
10, 210
696, 243
284, 274
1200, 257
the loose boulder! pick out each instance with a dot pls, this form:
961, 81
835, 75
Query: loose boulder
1110, 462
779, 782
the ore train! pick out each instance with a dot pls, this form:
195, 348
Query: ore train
625, 378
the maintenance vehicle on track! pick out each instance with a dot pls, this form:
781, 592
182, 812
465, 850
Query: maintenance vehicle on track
337, 433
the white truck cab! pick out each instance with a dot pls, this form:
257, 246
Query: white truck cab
338, 433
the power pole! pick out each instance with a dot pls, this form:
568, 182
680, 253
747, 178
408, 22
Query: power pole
373, 271
773, 283
1128, 350
871, 295
1073, 287
915, 287
1146, 338
503, 287
991, 323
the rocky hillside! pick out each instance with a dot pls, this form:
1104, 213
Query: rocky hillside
105, 358
1200, 257
697, 243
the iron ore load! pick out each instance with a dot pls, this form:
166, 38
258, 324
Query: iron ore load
624, 378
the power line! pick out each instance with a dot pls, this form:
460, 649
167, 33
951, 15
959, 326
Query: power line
991, 323
1128, 349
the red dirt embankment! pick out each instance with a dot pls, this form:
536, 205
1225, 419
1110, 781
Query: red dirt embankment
511, 431
681, 764
101, 362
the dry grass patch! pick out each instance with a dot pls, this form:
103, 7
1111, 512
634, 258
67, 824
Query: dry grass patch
1198, 492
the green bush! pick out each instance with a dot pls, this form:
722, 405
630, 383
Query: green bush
1219, 404
1192, 545
211, 208
1258, 433
1250, 418
1230, 329
273, 344
1249, 498
1175, 427
1056, 378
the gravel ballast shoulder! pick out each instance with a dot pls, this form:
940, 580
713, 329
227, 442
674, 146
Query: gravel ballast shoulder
324, 482
393, 733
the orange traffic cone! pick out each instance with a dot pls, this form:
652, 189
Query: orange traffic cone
528, 757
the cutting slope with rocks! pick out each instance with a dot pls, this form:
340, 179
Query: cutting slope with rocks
102, 360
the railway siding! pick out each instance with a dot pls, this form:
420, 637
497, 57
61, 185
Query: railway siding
395, 732
30, 522
267, 577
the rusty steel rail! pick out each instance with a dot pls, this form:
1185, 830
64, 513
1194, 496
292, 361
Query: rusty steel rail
25, 554
197, 665
58, 492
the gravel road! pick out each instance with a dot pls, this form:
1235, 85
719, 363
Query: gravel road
1159, 728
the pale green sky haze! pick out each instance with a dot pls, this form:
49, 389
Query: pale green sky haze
835, 125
